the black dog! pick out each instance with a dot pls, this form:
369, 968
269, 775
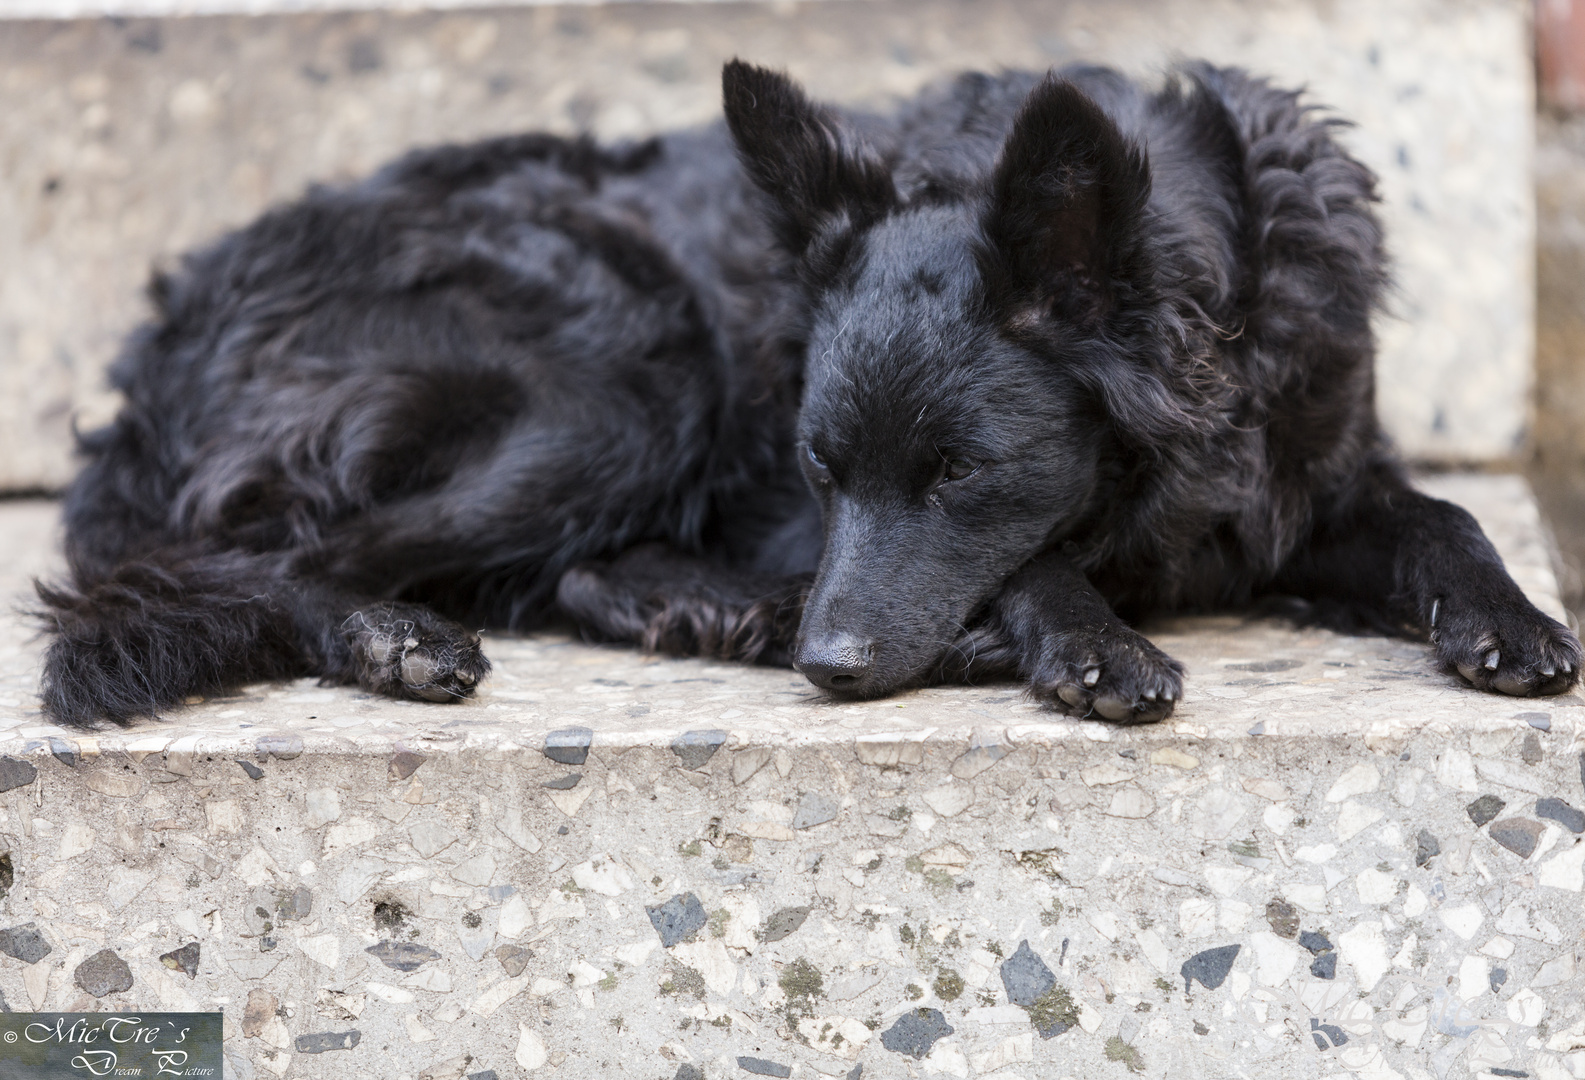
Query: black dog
1041, 354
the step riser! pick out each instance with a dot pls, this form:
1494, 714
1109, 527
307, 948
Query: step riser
1119, 856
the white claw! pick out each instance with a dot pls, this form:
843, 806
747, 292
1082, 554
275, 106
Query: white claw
410, 643
1150, 695
1548, 671
1492, 659
1435, 605
1092, 676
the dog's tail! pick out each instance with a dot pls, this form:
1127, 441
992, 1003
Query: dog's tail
156, 631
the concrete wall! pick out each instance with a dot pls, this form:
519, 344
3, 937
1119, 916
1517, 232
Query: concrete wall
124, 141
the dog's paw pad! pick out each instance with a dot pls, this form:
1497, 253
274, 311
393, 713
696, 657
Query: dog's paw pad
412, 652
1118, 677
1515, 651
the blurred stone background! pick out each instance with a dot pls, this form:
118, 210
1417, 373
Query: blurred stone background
1556, 462
138, 129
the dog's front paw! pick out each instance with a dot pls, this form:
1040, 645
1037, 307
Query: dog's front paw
1511, 648
1113, 673
405, 650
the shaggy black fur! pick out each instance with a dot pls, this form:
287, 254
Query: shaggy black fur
945, 394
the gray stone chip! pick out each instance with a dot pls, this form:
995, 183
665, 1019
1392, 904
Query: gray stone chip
1561, 812
253, 771
1518, 835
677, 919
1025, 976
1498, 977
915, 1032
1324, 966
761, 1067
183, 959
565, 783
1315, 942
689, 1072
513, 958
15, 773
1530, 749
1330, 1031
299, 904
103, 973
64, 752
856, 1072
404, 763
282, 747
784, 923
265, 908
1484, 809
402, 955
1282, 916
695, 748
1426, 847
815, 808
1541, 721
24, 943
569, 746
321, 1041
487, 1074
1209, 967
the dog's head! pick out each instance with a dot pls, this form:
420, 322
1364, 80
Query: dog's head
962, 344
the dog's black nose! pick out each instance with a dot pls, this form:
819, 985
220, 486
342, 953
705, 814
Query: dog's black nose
835, 662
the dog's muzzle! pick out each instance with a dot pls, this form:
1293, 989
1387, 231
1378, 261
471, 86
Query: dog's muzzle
837, 661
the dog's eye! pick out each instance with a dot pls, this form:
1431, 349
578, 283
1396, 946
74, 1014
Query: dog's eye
819, 462
958, 468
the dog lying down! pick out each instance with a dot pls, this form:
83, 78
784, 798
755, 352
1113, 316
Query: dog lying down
954, 393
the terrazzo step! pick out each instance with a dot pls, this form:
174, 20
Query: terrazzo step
1332, 862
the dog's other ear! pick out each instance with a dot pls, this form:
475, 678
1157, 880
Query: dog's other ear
1066, 201
820, 174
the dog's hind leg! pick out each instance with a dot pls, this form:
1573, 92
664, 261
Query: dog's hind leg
155, 632
684, 605
1052, 628
1396, 560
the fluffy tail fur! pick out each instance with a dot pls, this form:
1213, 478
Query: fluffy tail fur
157, 631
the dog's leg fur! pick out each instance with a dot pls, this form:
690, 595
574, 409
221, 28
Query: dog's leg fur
1050, 627
1399, 558
155, 631
669, 602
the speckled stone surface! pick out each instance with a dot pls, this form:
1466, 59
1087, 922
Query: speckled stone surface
614, 865
127, 141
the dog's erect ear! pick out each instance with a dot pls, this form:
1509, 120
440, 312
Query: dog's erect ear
1065, 205
820, 174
